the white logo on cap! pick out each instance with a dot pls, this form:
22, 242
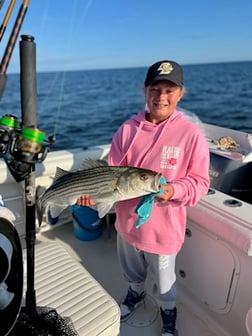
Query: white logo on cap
165, 68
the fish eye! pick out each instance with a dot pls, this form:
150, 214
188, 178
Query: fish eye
144, 177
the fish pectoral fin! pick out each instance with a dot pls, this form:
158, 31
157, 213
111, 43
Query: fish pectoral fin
103, 208
55, 210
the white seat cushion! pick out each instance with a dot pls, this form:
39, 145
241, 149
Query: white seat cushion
64, 284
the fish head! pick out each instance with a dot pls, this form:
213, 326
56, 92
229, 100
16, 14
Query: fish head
138, 182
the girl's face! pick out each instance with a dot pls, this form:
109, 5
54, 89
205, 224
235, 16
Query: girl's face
162, 98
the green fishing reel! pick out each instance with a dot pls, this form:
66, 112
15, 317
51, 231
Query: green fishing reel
25, 143
9, 122
8, 127
22, 147
30, 141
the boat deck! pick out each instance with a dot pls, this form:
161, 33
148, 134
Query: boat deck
100, 259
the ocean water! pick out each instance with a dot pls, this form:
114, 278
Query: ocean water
85, 108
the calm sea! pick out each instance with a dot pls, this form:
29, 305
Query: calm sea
84, 108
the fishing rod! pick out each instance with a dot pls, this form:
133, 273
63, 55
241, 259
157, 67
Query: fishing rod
22, 145
11, 44
29, 119
6, 18
30, 151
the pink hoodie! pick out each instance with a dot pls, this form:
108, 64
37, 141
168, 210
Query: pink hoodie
178, 150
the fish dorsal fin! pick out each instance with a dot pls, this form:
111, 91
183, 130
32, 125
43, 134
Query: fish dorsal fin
92, 163
59, 173
103, 208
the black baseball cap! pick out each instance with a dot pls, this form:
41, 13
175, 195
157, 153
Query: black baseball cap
165, 70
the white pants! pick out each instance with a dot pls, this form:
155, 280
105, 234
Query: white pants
135, 265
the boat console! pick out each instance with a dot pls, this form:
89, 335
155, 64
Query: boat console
232, 177
230, 161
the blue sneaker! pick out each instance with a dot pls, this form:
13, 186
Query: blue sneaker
169, 317
130, 303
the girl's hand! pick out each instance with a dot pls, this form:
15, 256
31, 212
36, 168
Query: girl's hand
167, 194
85, 200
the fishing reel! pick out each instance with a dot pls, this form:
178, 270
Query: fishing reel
22, 147
8, 126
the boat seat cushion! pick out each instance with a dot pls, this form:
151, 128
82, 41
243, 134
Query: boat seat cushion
64, 284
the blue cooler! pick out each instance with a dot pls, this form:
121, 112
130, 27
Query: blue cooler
86, 223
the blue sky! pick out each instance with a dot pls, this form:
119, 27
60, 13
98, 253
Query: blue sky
95, 34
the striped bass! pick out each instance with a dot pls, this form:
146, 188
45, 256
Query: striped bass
105, 184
